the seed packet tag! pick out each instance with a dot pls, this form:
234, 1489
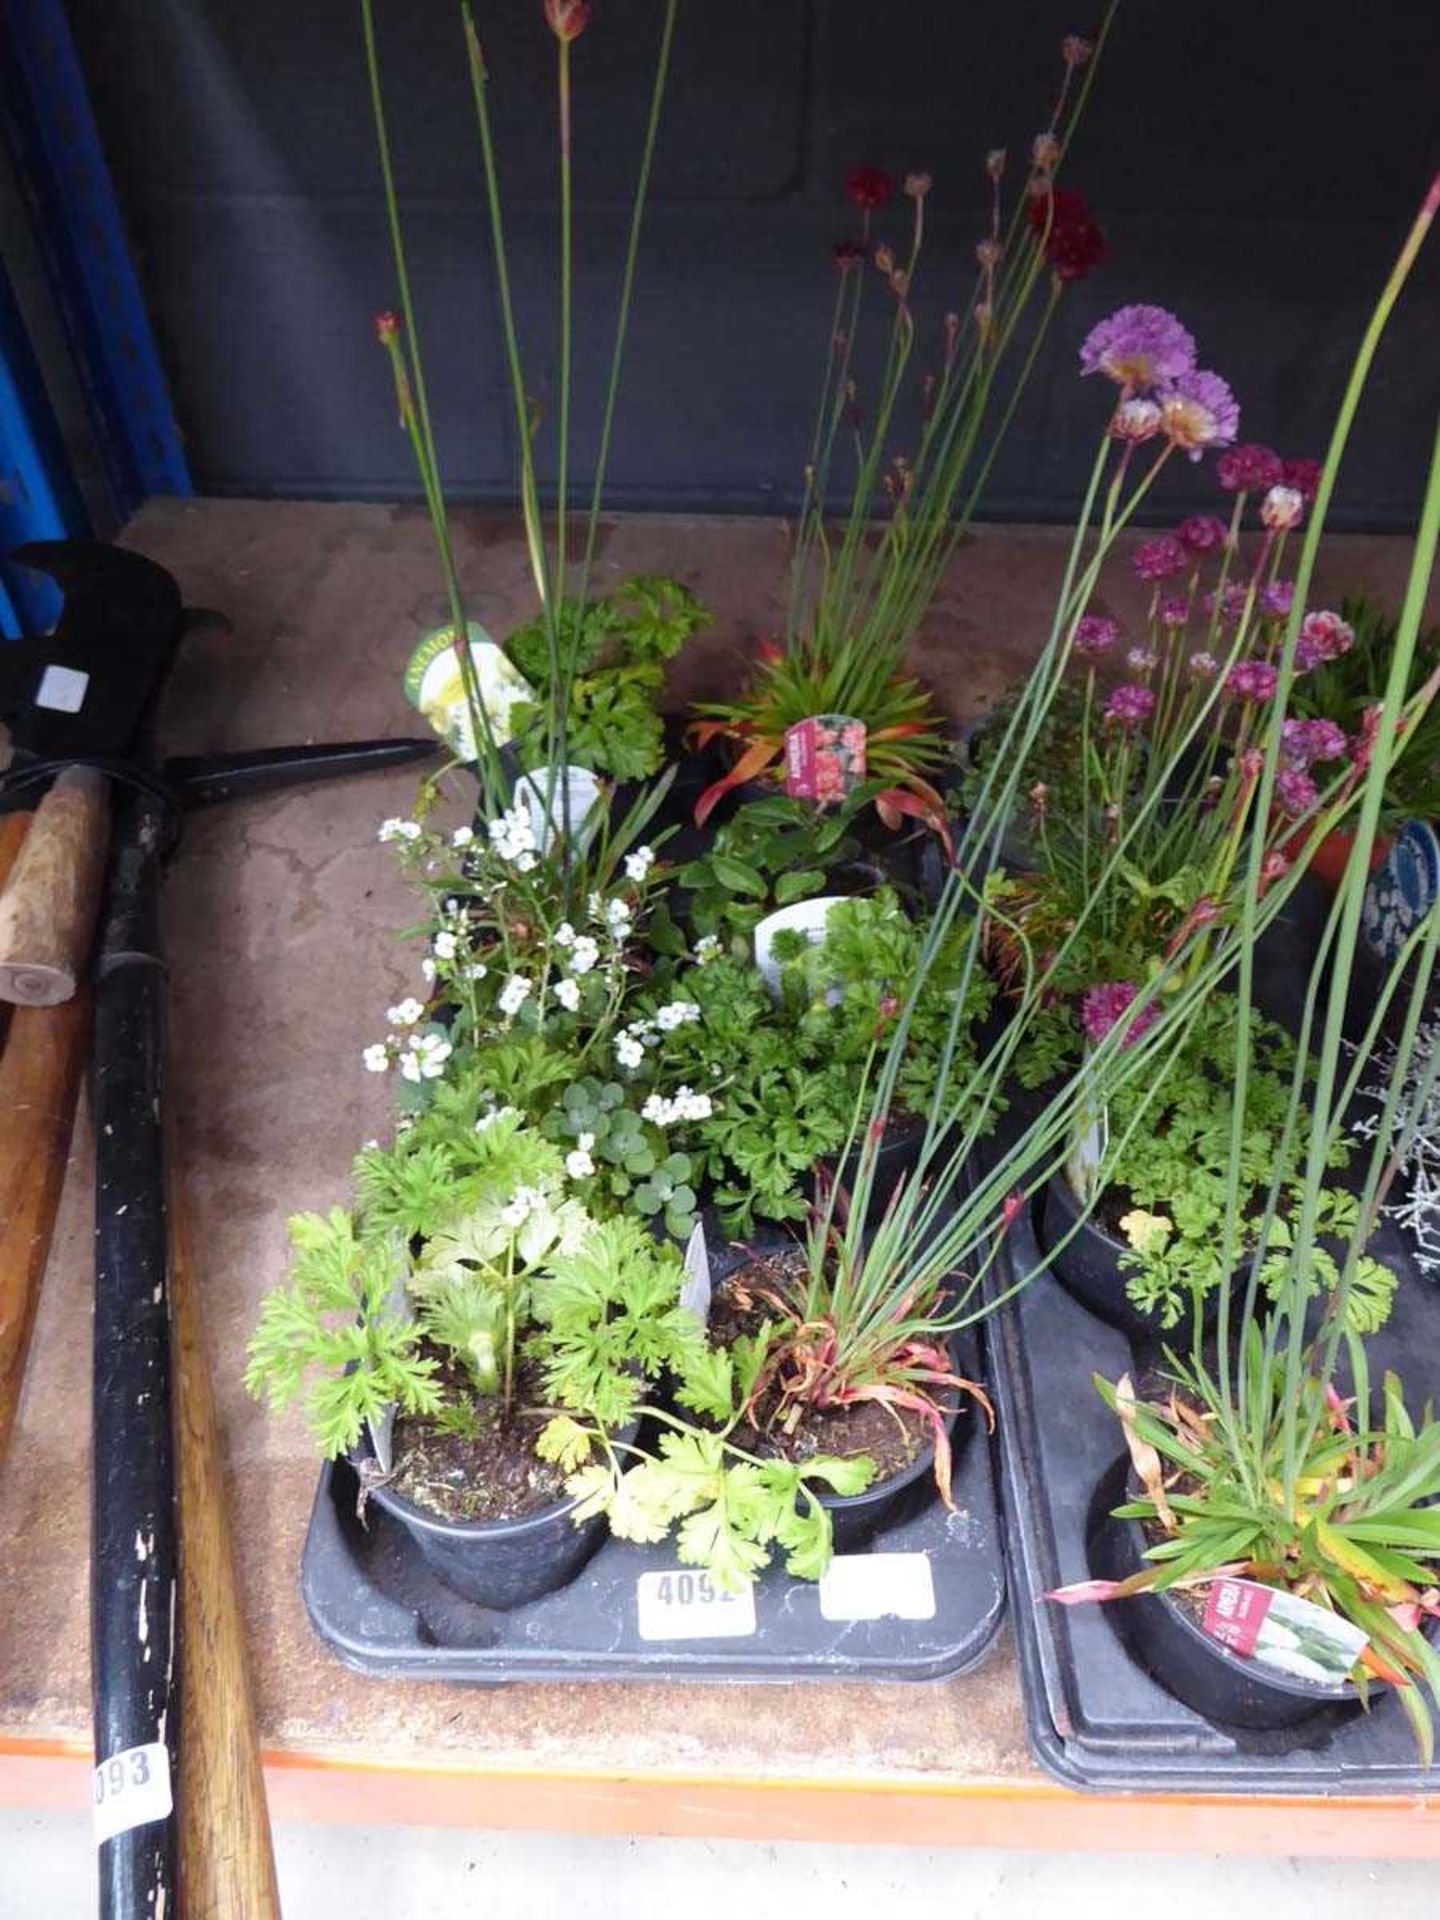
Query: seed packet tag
434, 684
382, 1437
1402, 890
685, 1605
1087, 1149
876, 1586
547, 793
1292, 1636
695, 1289
809, 917
131, 1789
824, 758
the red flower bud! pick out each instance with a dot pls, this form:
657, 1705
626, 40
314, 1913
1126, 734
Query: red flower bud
387, 328
567, 19
868, 187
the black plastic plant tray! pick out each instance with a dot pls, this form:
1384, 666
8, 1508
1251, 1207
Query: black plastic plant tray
1095, 1718
373, 1602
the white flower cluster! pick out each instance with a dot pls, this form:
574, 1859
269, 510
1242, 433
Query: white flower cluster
396, 829
512, 838
578, 1162
424, 1057
682, 1105
707, 948
408, 1013
521, 1204
639, 863
679, 1013
567, 992
513, 995
488, 1120
581, 951
615, 915
631, 1044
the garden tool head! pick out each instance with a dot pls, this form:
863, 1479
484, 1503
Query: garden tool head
84, 691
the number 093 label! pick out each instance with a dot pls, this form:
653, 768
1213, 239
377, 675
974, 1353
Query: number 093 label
685, 1605
132, 1789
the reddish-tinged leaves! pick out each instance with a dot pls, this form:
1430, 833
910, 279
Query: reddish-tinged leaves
756, 757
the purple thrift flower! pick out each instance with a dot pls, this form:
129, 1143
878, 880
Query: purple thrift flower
1326, 634
1199, 411
1204, 666
1250, 468
1140, 660
1276, 599
1282, 508
1160, 559
1135, 421
1296, 792
1202, 532
1174, 612
1304, 477
1305, 741
1128, 705
1231, 603
1139, 348
1252, 680
1094, 635
1102, 1007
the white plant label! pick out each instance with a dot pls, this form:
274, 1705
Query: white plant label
695, 1289
62, 689
548, 792
809, 917
132, 1789
686, 1605
874, 1586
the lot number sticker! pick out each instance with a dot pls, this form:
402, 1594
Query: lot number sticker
132, 1789
685, 1605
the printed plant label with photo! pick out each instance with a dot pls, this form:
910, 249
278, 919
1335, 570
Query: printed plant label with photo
1292, 1636
433, 683
824, 758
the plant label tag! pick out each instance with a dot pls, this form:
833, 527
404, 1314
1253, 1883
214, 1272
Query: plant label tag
434, 683
807, 917
131, 1789
62, 689
549, 793
682, 1604
1293, 1636
695, 1288
824, 758
874, 1586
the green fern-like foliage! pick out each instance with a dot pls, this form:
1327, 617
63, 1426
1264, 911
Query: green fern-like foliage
610, 1315
335, 1339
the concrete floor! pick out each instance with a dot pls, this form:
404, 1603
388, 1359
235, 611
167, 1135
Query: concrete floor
423, 1873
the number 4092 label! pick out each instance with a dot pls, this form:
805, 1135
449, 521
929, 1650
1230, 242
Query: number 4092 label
132, 1789
685, 1605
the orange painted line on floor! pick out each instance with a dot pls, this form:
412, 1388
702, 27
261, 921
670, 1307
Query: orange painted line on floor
1028, 1813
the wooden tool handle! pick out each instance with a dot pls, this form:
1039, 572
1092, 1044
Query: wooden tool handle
40, 1070
227, 1866
48, 907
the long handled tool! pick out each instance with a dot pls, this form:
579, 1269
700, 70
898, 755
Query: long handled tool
41, 1056
137, 1601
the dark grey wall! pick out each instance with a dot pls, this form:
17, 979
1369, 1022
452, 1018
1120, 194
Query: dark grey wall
1254, 166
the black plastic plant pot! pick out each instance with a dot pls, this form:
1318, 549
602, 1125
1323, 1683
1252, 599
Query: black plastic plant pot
1160, 1632
856, 1518
1085, 1259
896, 1157
500, 1563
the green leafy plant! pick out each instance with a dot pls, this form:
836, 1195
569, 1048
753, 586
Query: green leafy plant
1172, 1161
631, 1162
770, 853
336, 1338
619, 647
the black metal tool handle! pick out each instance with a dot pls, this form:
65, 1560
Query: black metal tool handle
133, 1568
201, 778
